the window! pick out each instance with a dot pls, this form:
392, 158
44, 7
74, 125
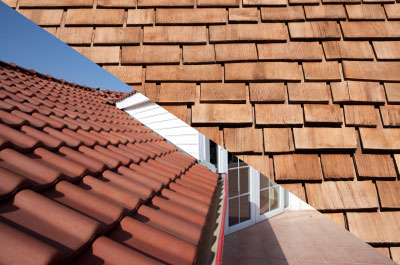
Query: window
238, 191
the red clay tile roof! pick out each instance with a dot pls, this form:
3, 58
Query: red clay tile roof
82, 182
305, 76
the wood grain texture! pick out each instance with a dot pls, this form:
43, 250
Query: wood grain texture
337, 167
340, 195
263, 71
325, 138
222, 113
308, 93
211, 92
278, 114
267, 92
240, 140
278, 140
297, 167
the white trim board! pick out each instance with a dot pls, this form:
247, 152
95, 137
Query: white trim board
162, 122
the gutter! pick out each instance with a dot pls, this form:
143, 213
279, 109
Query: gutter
222, 230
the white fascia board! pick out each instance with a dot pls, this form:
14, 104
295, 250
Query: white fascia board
132, 101
162, 122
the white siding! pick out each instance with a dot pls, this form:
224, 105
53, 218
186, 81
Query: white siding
162, 122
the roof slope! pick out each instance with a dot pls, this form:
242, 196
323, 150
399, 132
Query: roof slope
81, 181
300, 78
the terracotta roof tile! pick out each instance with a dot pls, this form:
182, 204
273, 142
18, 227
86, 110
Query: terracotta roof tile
78, 133
357, 71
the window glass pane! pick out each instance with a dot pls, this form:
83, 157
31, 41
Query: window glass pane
213, 153
233, 211
286, 198
244, 180
242, 164
264, 181
274, 198
264, 199
232, 160
244, 208
233, 182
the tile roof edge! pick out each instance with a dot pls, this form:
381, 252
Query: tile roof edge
62, 81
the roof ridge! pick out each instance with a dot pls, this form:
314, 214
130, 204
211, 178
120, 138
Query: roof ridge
98, 91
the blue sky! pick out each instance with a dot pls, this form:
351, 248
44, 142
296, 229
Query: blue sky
29, 46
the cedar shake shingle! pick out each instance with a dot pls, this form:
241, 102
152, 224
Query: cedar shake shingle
278, 140
324, 138
291, 51
211, 92
297, 167
278, 115
263, 71
318, 30
191, 16
248, 32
